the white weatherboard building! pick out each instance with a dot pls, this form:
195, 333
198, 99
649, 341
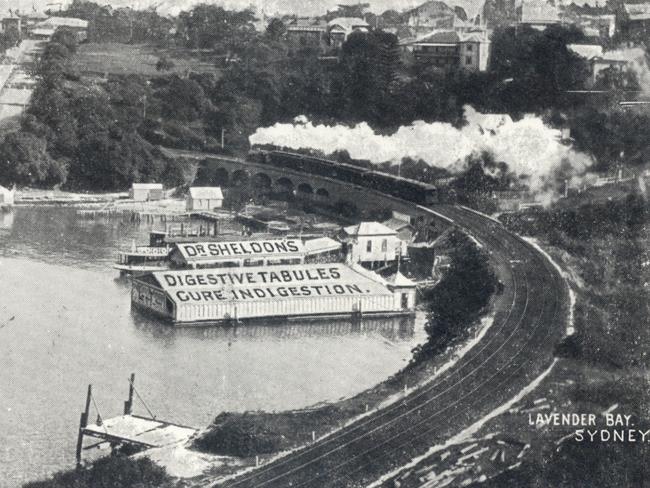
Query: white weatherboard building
193, 297
204, 198
371, 242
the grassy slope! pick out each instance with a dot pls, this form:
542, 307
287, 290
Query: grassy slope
116, 58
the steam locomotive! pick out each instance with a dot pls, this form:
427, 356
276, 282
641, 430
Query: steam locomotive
403, 188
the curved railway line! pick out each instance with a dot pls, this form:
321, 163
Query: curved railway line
530, 317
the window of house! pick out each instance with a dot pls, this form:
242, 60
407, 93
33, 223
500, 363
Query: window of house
369, 246
468, 60
470, 47
384, 245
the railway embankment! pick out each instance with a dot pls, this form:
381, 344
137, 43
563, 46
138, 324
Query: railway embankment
455, 315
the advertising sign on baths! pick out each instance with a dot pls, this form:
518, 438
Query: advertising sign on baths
260, 283
239, 249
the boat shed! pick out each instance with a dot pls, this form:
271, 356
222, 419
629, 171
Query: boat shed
227, 254
144, 192
195, 297
204, 198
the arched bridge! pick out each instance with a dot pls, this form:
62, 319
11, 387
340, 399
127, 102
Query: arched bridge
267, 179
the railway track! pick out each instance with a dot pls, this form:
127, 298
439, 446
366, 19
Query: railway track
530, 317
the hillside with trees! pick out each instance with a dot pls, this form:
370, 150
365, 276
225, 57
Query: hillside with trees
260, 82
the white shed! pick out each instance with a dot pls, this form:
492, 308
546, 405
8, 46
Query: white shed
6, 196
143, 192
204, 198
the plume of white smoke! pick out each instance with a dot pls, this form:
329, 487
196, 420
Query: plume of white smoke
532, 150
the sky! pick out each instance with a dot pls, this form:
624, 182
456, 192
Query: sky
269, 7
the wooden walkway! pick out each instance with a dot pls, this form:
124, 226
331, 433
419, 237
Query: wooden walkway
141, 431
129, 429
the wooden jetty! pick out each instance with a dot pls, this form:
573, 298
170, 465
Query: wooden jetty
129, 429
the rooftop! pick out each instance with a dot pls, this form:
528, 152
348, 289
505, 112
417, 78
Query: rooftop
348, 23
398, 279
147, 186
206, 193
369, 229
587, 51
321, 244
306, 23
396, 224
64, 22
273, 278
638, 11
538, 12
448, 36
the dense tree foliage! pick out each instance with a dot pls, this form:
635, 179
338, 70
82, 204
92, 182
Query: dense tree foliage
456, 302
106, 24
609, 240
89, 136
213, 27
113, 471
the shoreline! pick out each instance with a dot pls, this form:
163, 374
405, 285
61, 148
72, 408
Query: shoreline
349, 409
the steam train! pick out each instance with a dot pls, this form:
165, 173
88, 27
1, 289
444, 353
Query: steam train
403, 188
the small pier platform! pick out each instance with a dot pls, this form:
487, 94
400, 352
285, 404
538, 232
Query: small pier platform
129, 429
141, 431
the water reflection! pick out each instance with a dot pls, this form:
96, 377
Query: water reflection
391, 329
6, 220
74, 325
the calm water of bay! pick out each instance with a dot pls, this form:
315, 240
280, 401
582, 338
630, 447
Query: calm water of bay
65, 322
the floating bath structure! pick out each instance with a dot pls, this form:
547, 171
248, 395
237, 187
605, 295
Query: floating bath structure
212, 296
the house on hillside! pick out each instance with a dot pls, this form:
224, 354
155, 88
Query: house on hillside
339, 29
635, 18
449, 49
78, 26
146, 192
204, 198
538, 14
600, 60
371, 244
307, 32
12, 22
593, 21
32, 17
431, 15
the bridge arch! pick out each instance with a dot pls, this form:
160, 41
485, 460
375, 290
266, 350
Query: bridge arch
305, 190
284, 188
262, 181
240, 177
220, 177
323, 194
